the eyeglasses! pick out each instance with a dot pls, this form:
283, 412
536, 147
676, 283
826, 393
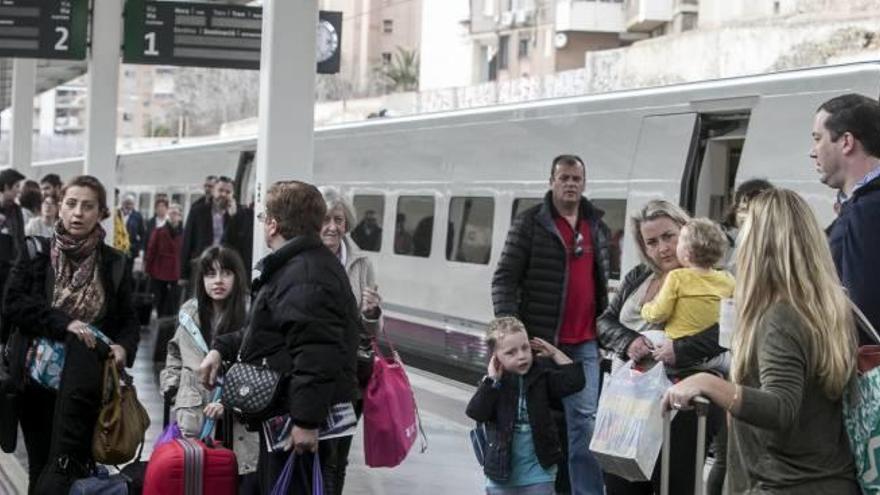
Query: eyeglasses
578, 250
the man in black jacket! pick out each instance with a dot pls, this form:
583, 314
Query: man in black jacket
846, 149
209, 224
304, 322
11, 229
553, 276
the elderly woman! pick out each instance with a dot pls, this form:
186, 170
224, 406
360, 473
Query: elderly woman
656, 228
60, 289
362, 277
44, 224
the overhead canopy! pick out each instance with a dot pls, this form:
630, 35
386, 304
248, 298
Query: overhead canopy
53, 73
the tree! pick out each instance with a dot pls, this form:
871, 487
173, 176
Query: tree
208, 98
402, 73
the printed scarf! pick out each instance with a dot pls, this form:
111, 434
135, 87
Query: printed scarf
78, 288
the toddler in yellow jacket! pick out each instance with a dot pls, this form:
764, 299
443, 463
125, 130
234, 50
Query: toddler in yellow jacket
690, 299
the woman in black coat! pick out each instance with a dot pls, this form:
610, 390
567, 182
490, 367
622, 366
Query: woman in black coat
61, 289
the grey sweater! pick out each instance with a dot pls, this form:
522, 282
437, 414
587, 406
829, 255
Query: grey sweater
788, 436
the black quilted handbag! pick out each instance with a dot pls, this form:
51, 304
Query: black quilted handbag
250, 390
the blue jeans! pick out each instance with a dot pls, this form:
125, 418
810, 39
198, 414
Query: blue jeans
537, 489
584, 472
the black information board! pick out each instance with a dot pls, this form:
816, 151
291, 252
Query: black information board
211, 35
55, 29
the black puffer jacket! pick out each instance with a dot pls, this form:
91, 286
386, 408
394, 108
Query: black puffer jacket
530, 280
496, 406
27, 304
304, 321
689, 351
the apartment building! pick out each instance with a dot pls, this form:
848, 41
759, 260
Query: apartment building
518, 38
372, 33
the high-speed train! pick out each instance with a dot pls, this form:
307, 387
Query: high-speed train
444, 187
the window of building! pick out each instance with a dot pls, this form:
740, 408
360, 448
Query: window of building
388, 26
503, 47
524, 47
615, 219
127, 117
386, 58
414, 226
488, 8
522, 204
469, 237
369, 211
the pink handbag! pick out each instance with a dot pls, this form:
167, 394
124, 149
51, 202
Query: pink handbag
391, 418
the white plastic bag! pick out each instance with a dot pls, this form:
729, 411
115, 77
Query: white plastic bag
629, 423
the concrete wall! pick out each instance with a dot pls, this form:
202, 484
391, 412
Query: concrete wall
572, 56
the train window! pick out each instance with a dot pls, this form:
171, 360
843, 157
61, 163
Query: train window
469, 238
522, 204
414, 226
615, 219
369, 210
178, 198
145, 204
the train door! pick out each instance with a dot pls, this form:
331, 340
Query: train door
710, 175
666, 144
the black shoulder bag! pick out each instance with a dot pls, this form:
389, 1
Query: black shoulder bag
250, 390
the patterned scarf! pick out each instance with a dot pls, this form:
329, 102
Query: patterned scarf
78, 288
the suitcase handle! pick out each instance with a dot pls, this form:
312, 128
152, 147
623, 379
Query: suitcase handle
701, 407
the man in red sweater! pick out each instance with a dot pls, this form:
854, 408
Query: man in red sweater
553, 275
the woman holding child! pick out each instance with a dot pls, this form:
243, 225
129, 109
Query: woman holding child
794, 354
657, 228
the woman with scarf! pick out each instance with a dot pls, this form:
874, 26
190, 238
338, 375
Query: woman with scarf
62, 289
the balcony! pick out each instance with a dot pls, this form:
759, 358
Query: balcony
589, 16
647, 15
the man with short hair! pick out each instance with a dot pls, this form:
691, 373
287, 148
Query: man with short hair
368, 234
304, 324
207, 225
134, 224
11, 228
846, 151
50, 185
553, 276
208, 186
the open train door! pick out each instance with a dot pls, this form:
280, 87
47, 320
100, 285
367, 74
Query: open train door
666, 145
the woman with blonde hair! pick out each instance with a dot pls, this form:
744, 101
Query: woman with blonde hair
793, 356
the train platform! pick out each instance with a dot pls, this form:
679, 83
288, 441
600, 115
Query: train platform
448, 464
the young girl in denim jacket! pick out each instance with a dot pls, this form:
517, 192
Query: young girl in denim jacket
513, 401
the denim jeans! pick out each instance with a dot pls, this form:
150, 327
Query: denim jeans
580, 417
536, 489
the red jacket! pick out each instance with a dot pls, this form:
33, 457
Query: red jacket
162, 261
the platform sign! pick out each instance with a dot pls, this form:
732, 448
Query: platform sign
210, 35
48, 29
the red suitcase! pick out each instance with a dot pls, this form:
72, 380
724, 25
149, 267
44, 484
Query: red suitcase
189, 467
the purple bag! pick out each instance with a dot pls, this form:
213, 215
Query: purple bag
172, 432
282, 485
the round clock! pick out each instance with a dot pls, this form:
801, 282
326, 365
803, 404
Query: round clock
327, 42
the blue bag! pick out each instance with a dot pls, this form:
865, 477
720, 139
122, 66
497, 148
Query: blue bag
46, 359
100, 484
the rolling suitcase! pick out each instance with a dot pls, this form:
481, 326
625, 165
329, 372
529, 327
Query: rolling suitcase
701, 406
191, 467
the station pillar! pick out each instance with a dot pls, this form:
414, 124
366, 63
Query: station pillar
285, 142
103, 83
24, 82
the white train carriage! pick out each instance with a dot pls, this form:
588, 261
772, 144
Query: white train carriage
445, 186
